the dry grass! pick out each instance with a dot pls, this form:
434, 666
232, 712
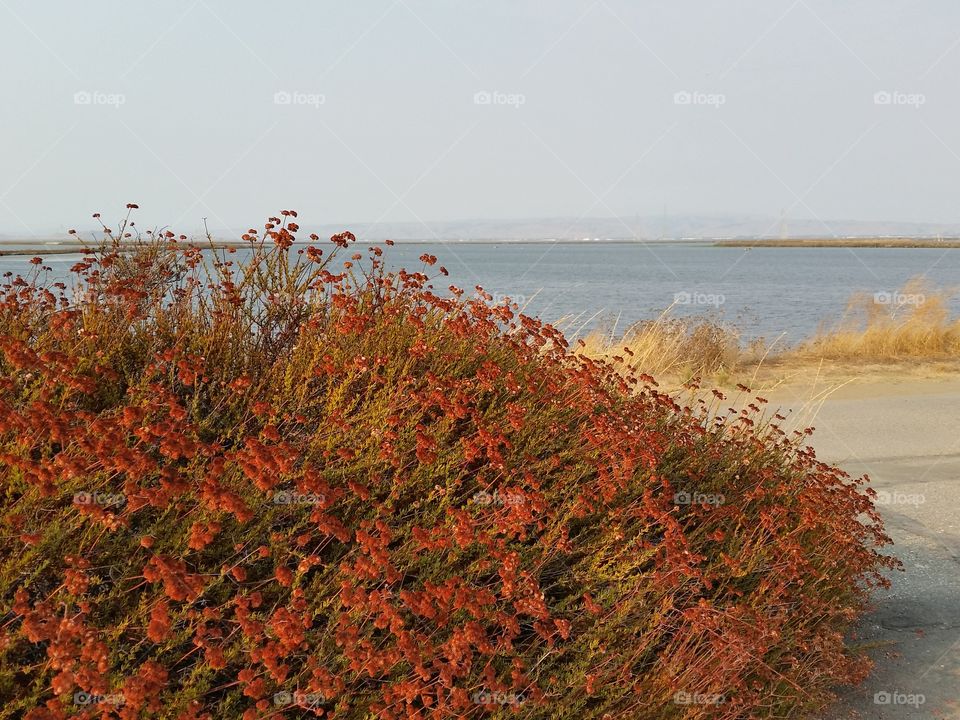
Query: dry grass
914, 325
668, 347
911, 327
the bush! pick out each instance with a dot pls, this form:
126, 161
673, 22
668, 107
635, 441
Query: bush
669, 347
241, 484
913, 323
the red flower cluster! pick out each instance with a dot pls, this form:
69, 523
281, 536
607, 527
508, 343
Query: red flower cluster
258, 488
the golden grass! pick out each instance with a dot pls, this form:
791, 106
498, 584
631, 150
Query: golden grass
669, 347
912, 326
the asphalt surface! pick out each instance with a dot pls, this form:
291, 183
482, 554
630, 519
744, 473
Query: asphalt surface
906, 437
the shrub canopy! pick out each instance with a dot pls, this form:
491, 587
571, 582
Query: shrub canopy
271, 483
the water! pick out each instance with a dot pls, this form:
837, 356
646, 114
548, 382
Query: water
764, 292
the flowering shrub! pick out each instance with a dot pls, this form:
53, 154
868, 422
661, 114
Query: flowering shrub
270, 483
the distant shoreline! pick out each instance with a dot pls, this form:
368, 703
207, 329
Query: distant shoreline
14, 248
843, 243
51, 246
86, 248
41, 251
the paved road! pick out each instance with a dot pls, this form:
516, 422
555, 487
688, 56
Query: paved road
907, 438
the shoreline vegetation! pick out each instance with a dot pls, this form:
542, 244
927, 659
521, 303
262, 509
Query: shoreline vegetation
267, 484
889, 338
71, 248
62, 247
909, 330
853, 242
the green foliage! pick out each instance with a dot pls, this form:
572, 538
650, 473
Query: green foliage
257, 488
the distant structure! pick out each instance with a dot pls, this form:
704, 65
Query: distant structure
783, 224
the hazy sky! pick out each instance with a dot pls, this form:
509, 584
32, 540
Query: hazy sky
439, 110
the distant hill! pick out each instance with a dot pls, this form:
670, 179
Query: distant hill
701, 227
671, 227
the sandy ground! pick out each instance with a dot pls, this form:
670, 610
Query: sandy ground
904, 432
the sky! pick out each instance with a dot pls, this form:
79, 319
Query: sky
433, 110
